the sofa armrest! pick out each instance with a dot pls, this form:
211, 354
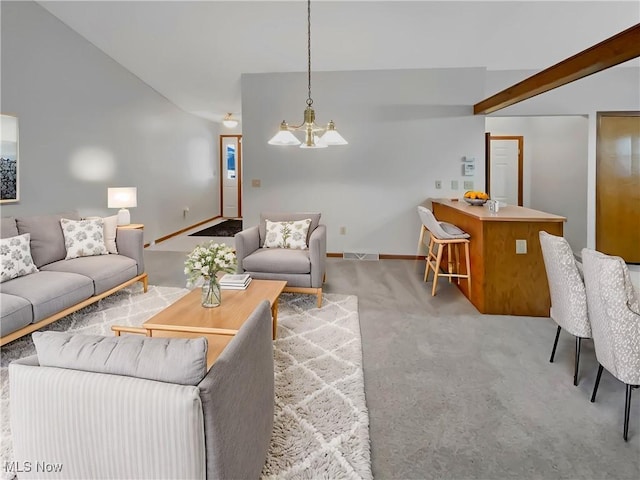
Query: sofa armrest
238, 401
318, 255
247, 241
113, 426
130, 243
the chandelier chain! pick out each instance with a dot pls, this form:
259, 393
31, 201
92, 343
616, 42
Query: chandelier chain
309, 100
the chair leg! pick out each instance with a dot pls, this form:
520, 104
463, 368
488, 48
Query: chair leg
627, 410
468, 261
555, 344
595, 387
457, 251
428, 260
449, 263
575, 371
435, 272
421, 238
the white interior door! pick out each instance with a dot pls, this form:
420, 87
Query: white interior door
230, 159
504, 172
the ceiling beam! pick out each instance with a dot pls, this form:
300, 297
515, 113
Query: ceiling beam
615, 50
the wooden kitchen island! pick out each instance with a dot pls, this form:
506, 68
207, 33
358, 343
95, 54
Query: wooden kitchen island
502, 281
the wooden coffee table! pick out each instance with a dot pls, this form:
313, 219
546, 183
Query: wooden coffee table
188, 318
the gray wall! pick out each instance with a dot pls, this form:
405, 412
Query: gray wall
86, 124
406, 128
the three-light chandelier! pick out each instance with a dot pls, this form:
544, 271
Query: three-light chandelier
314, 135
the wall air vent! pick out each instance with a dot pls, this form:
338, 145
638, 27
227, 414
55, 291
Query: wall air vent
360, 256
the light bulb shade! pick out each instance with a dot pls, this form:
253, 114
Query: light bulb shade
229, 122
122, 197
317, 143
332, 137
284, 137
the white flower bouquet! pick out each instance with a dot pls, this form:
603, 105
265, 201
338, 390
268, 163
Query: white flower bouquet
207, 260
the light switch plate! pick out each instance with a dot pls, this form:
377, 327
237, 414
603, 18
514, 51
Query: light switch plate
454, 184
521, 247
438, 184
255, 183
468, 185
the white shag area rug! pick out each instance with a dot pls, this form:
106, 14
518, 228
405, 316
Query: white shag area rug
321, 424
321, 427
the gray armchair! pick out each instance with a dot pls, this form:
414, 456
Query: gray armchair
142, 407
303, 270
614, 310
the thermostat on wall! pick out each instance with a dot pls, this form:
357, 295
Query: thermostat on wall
468, 169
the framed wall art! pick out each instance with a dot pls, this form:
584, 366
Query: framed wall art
9, 185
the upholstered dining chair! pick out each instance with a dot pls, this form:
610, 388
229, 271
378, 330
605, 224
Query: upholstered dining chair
568, 295
280, 248
443, 235
614, 311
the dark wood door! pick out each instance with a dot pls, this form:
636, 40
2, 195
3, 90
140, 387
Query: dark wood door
618, 185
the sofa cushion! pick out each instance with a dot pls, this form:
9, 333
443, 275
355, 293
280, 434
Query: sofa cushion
47, 240
50, 292
110, 229
106, 271
173, 360
83, 238
15, 312
278, 260
288, 234
280, 216
8, 227
15, 257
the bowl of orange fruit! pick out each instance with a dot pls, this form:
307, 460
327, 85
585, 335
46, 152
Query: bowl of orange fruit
475, 198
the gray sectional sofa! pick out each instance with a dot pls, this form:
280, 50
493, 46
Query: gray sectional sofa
145, 407
60, 286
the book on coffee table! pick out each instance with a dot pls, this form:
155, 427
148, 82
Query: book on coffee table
227, 286
235, 281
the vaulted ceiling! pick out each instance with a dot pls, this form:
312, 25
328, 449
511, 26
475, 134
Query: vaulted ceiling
194, 52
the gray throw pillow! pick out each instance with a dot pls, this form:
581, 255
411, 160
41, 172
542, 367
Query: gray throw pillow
47, 240
173, 360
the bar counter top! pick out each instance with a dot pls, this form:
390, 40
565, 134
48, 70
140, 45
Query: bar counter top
510, 213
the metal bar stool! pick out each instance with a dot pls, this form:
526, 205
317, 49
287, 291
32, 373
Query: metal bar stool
443, 235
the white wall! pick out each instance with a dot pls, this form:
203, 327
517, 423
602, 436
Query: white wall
555, 167
406, 129
86, 123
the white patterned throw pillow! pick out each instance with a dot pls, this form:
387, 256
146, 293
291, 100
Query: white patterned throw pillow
15, 256
83, 238
292, 234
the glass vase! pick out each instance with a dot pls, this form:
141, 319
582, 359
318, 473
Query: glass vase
211, 292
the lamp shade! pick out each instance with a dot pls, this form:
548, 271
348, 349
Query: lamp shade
332, 137
229, 122
317, 143
284, 137
122, 197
